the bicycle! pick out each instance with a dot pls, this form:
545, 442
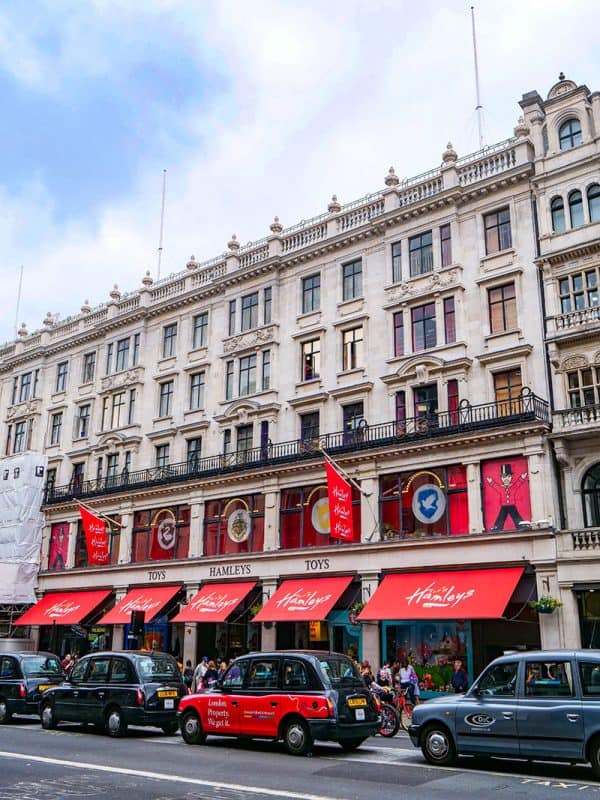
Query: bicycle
404, 707
390, 717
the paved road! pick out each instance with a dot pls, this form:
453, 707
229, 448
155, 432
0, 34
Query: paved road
75, 763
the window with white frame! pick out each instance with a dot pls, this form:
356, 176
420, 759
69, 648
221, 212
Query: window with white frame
498, 235
197, 390
557, 210
311, 293
165, 398
169, 346
311, 359
61, 376
162, 452
579, 291
420, 251
200, 330
88, 370
593, 198
569, 134
82, 421
576, 209
56, 427
584, 387
247, 375
352, 279
249, 311
352, 348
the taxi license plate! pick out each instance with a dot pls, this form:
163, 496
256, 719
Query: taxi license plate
43, 686
357, 701
170, 703
360, 714
167, 694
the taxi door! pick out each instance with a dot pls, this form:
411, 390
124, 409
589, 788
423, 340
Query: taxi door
220, 709
261, 699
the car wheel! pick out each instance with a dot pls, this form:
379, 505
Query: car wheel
115, 724
438, 746
351, 744
5, 715
171, 728
49, 721
390, 721
297, 738
594, 756
191, 728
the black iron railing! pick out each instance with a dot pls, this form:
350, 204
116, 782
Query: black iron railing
467, 417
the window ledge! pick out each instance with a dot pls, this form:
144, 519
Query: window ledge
310, 383
497, 338
503, 256
352, 306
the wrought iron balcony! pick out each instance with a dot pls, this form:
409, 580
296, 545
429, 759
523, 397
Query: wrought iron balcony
467, 418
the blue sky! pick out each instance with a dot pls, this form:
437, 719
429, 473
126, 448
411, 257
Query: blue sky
254, 109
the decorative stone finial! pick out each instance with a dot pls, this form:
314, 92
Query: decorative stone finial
276, 226
192, 263
233, 243
391, 179
521, 129
561, 76
334, 207
86, 307
49, 319
115, 294
147, 279
23, 330
449, 156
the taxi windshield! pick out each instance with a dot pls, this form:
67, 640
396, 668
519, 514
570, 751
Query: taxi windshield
339, 671
157, 668
41, 666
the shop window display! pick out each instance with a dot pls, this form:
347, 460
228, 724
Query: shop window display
234, 525
161, 534
506, 498
424, 503
304, 518
59, 546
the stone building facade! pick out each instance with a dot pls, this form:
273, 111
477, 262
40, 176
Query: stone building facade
425, 336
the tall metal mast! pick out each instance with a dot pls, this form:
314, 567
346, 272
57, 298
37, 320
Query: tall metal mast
18, 301
162, 222
478, 107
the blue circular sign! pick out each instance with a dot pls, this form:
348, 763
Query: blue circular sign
429, 503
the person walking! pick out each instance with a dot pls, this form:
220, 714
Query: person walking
460, 679
211, 676
408, 679
199, 673
188, 675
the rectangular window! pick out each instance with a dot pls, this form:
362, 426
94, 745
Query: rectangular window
136, 349
165, 403
399, 333
169, 340
423, 327
453, 401
89, 367
352, 343
194, 452
311, 294
56, 428
266, 370
61, 376
112, 467
497, 231
20, 437
446, 245
311, 359
449, 320
353, 416
117, 411
231, 317
162, 455
131, 412
83, 421
197, 391
8, 440
77, 477
420, 251
250, 311
267, 303
244, 438
25, 387
15, 389
227, 441
247, 380
36, 379
99, 468
200, 335
122, 357
352, 279
584, 387
109, 355
502, 305
507, 391
229, 380
50, 480
396, 262
579, 291
309, 427
401, 411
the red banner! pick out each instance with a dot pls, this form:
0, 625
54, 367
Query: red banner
340, 505
96, 538
163, 534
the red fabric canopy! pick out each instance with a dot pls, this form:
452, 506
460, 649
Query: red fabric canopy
457, 594
214, 602
151, 600
63, 608
306, 600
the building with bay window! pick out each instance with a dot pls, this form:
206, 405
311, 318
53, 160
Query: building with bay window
431, 337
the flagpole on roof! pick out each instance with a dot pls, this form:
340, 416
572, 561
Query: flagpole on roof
344, 474
98, 513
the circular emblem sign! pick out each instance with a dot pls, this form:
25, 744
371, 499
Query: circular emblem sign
429, 503
320, 515
238, 525
165, 534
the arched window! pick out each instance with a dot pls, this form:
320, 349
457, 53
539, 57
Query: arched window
569, 134
590, 491
557, 208
593, 198
576, 209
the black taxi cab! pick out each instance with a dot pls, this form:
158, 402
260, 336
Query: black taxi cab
113, 690
295, 696
23, 678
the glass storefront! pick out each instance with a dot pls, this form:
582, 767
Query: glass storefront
589, 617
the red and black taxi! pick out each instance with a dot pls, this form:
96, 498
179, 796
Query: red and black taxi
23, 678
297, 696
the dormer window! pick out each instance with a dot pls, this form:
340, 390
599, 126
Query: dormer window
569, 134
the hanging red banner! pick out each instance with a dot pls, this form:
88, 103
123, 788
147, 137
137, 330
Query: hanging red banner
340, 505
164, 535
96, 538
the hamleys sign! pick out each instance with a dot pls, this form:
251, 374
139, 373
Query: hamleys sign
61, 609
302, 601
439, 596
215, 601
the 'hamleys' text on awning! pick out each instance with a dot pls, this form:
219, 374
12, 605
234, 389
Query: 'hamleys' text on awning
456, 594
63, 608
303, 600
215, 602
150, 600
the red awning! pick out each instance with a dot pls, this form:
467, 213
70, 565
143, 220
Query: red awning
214, 602
151, 600
63, 608
306, 600
456, 594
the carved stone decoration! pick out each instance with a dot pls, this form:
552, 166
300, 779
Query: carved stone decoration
449, 156
107, 383
554, 354
391, 179
23, 330
574, 362
597, 358
48, 320
334, 207
561, 87
276, 226
192, 263
233, 243
232, 345
401, 292
422, 371
86, 307
253, 339
147, 280
115, 294
521, 130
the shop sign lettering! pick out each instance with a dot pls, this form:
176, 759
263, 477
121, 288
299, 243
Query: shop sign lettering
316, 564
157, 574
229, 571
61, 609
302, 601
140, 603
215, 601
433, 596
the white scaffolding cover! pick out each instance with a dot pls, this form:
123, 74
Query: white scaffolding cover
22, 480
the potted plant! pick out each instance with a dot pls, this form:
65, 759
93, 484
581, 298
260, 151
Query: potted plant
355, 610
546, 604
255, 608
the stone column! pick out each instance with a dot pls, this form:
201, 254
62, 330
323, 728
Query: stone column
550, 633
190, 629
72, 545
118, 637
269, 629
370, 631
45, 549
196, 527
474, 497
536, 487
126, 538
568, 619
271, 541
369, 510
